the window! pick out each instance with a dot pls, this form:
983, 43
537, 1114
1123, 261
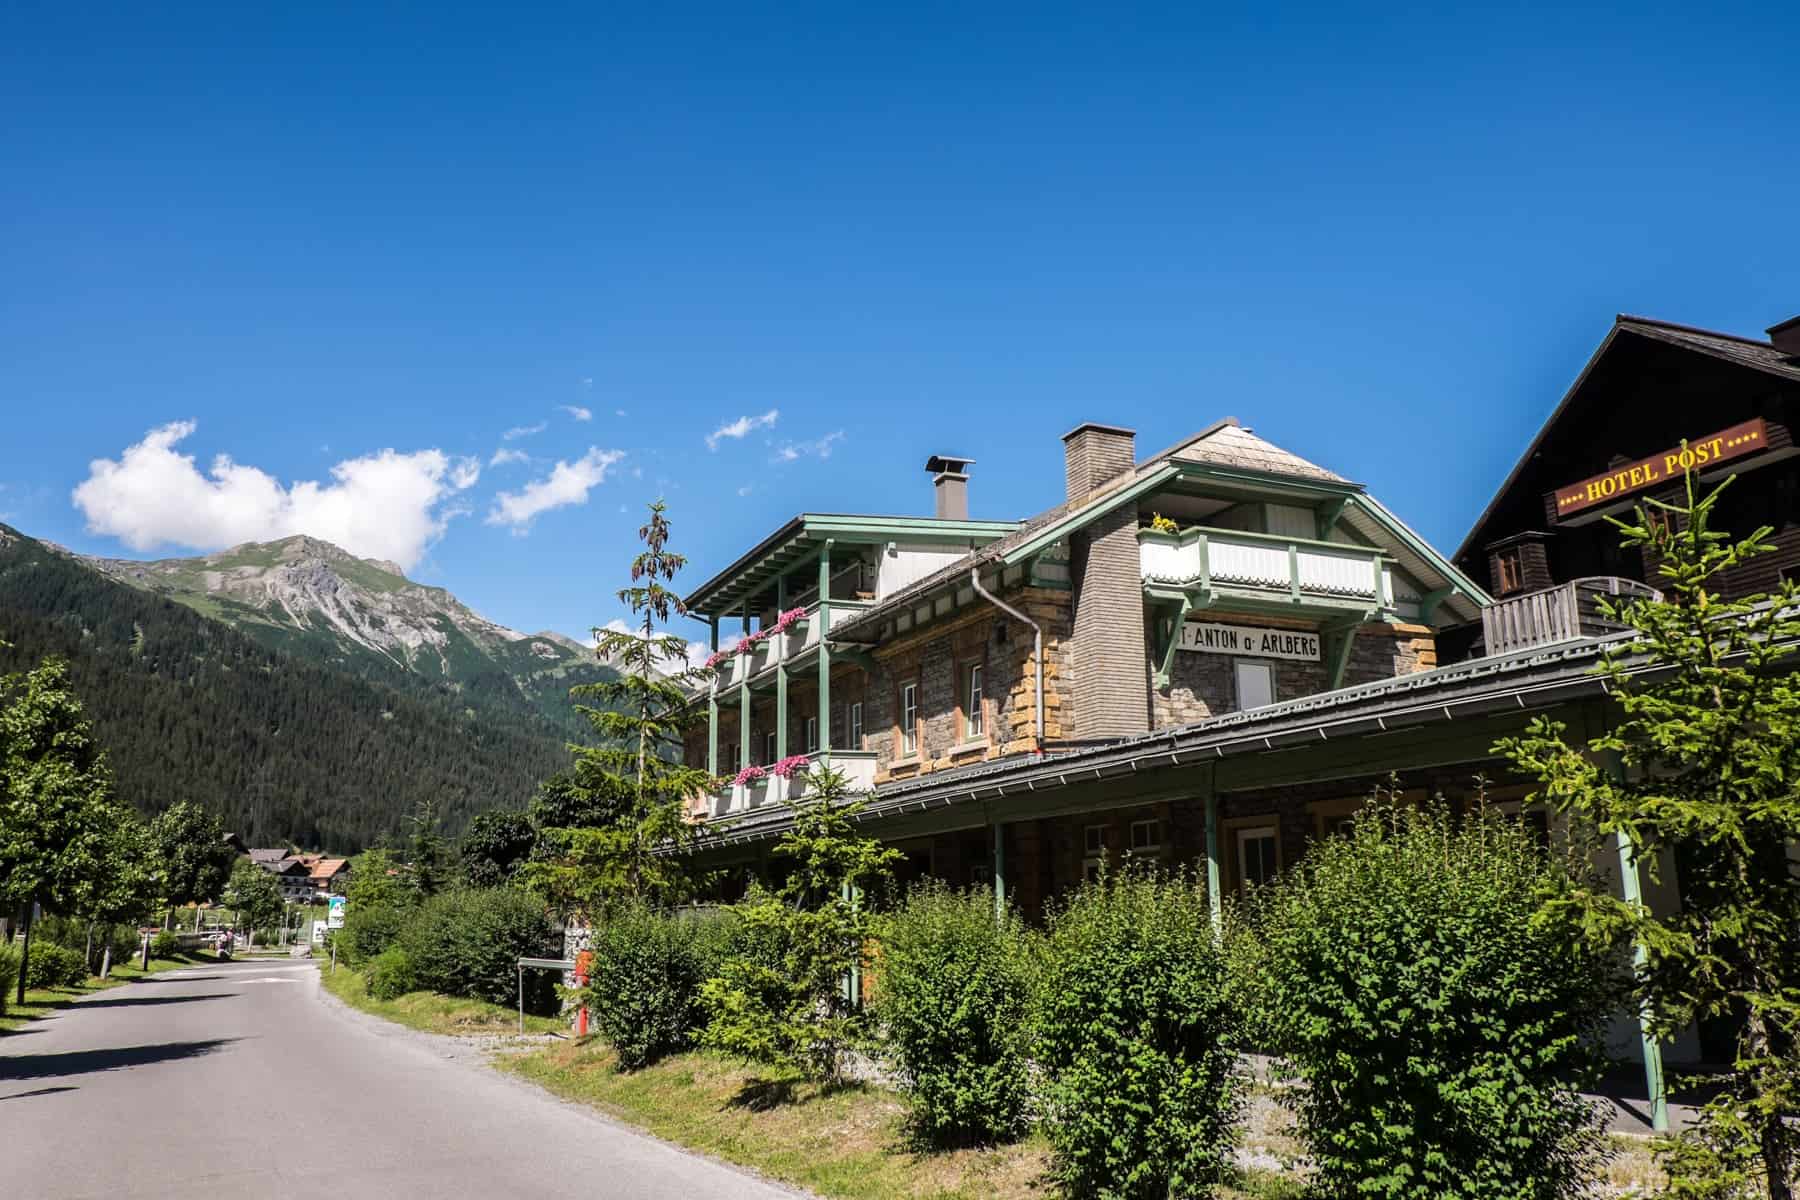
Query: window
981, 874
1094, 839
1090, 871
856, 726
1255, 684
909, 719
769, 747
1256, 855
728, 756
1146, 836
1509, 572
812, 734
972, 722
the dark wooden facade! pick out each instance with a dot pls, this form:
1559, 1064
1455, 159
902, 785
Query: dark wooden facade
1647, 389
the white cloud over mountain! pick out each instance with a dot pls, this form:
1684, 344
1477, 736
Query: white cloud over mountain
383, 505
568, 483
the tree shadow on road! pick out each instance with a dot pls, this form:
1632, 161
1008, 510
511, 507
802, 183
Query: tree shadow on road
136, 1001
49, 1091
87, 1062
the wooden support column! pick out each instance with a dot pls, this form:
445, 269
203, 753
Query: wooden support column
999, 870
781, 680
1215, 901
824, 619
744, 703
712, 709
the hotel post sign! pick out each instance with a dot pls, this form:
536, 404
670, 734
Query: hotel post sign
1699, 454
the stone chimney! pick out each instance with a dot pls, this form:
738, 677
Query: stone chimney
950, 480
1108, 658
1094, 453
1785, 337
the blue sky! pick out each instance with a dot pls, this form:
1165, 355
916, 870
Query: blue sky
301, 240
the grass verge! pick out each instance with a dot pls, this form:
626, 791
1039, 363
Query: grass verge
431, 1012
847, 1142
41, 1002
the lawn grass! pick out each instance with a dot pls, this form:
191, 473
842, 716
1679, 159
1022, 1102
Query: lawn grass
429, 1011
848, 1142
41, 1002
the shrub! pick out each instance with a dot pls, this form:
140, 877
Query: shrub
1136, 1033
1440, 1029
54, 966
391, 974
371, 928
468, 943
165, 945
9, 974
644, 980
953, 996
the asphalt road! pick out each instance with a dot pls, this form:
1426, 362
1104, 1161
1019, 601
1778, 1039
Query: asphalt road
241, 1080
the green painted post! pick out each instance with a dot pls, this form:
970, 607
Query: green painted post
712, 711
1214, 900
744, 702
825, 651
1633, 888
781, 678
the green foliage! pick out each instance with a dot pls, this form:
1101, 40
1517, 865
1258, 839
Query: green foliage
9, 974
1441, 1027
258, 724
190, 844
494, 847
953, 998
1136, 1034
391, 974
377, 906
635, 780
253, 895
1707, 768
467, 942
54, 966
644, 979
780, 999
431, 858
165, 945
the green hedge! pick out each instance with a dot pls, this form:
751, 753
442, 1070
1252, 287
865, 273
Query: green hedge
1441, 1025
468, 943
953, 994
369, 929
391, 974
54, 966
1137, 1035
165, 945
9, 974
644, 979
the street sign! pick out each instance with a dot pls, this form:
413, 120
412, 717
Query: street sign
334, 915
318, 933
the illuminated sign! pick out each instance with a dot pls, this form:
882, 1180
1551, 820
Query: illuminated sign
1211, 637
1698, 454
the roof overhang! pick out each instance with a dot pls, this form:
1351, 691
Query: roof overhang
802, 538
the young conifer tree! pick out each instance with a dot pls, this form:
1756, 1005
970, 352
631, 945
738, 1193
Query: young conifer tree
636, 772
1708, 767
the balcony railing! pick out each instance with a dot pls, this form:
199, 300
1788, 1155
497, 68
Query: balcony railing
858, 767
786, 646
1265, 565
1562, 613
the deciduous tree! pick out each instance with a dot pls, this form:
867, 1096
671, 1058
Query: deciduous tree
196, 860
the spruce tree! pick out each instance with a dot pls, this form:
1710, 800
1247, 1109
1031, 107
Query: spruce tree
1704, 763
634, 780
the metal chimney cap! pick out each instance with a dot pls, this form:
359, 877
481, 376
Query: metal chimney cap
940, 464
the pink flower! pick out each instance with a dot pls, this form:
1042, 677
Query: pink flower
787, 619
749, 774
788, 767
716, 657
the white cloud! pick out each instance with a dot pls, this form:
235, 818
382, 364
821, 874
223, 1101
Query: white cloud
578, 412
519, 431
618, 412
741, 427
383, 505
503, 456
568, 483
746, 489
695, 652
817, 448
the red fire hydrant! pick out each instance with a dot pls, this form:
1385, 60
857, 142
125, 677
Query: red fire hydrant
582, 961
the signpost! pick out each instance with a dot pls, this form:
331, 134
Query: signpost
334, 919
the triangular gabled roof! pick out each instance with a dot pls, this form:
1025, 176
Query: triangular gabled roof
1228, 444
1726, 347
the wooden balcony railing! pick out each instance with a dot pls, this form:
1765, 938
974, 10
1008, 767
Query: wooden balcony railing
1564, 613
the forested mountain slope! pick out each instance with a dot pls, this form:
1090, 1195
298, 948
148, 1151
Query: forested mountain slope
285, 746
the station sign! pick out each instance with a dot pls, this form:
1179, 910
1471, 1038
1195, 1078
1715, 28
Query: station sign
1698, 454
1257, 641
